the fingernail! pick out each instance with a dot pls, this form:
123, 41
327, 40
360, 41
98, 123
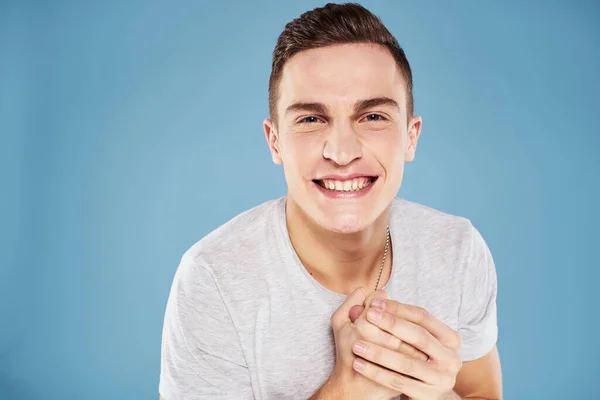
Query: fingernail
359, 364
360, 347
374, 315
379, 303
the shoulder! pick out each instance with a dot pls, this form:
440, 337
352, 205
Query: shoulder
233, 245
449, 256
444, 240
429, 223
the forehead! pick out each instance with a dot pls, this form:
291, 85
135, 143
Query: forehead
341, 75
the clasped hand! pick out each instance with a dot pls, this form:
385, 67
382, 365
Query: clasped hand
415, 355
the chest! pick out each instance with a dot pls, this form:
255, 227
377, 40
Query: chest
292, 352
289, 343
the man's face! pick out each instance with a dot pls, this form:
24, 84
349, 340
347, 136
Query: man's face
342, 133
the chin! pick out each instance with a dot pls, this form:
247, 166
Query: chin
345, 222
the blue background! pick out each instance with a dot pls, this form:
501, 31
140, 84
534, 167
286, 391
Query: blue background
132, 129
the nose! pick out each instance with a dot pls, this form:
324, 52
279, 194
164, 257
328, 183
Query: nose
342, 145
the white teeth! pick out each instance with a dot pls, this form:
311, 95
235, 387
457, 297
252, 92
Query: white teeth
347, 186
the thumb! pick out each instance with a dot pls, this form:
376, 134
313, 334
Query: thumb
355, 312
342, 314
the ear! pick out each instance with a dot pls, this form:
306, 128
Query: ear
414, 131
273, 140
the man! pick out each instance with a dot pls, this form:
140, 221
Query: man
285, 301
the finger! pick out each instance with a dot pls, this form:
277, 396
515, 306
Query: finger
342, 314
417, 315
374, 334
410, 351
383, 338
397, 362
378, 294
392, 380
357, 310
409, 332
363, 308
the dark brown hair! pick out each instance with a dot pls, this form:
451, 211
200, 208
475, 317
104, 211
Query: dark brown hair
329, 25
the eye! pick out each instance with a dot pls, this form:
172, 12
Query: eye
309, 120
374, 117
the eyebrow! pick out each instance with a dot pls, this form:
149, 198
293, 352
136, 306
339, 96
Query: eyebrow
362, 105
310, 107
359, 106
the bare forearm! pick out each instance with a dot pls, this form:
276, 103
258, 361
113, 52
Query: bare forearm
323, 393
328, 391
454, 396
333, 389
339, 387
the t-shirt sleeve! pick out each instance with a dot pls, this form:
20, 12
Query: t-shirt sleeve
201, 355
477, 317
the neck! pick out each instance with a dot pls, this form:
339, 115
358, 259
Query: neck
340, 262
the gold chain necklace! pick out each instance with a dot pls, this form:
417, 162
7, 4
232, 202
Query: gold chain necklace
387, 246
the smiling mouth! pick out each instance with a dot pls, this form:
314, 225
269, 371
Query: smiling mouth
350, 185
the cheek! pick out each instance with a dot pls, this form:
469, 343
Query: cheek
302, 153
387, 148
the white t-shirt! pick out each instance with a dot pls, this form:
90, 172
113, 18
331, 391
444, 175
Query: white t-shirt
245, 320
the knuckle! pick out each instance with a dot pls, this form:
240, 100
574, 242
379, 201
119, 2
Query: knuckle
457, 340
398, 383
395, 324
361, 292
408, 366
391, 306
369, 298
423, 340
394, 343
419, 355
421, 314
454, 365
388, 320
374, 352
